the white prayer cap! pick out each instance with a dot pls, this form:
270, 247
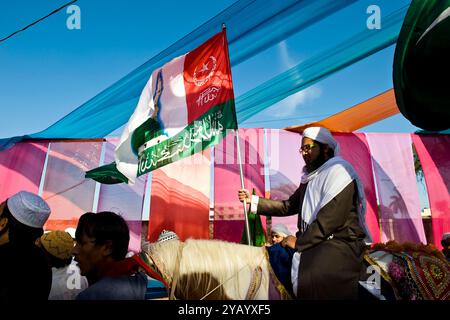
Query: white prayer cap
323, 135
29, 209
281, 230
167, 235
446, 236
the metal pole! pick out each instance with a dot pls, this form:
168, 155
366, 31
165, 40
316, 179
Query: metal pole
247, 231
241, 172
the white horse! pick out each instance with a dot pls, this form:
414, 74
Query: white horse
219, 270
213, 269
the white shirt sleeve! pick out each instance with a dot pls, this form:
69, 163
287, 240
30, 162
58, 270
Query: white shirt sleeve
254, 204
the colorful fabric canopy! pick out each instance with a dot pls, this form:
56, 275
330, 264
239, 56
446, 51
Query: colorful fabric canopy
370, 111
252, 27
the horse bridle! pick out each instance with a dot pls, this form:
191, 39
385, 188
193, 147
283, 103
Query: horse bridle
146, 261
158, 272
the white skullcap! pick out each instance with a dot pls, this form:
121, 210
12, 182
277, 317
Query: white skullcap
446, 236
323, 135
281, 230
167, 235
29, 209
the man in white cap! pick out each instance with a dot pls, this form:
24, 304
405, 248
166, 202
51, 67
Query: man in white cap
24, 271
278, 232
332, 233
167, 235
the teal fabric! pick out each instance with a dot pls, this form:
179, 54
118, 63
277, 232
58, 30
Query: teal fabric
320, 66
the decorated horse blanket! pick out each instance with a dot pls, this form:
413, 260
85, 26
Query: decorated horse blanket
414, 271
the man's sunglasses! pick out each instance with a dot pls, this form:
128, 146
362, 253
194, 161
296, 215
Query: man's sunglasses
307, 147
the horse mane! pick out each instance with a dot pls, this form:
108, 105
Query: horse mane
206, 265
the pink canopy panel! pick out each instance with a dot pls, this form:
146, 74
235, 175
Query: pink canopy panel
285, 165
398, 193
123, 199
433, 152
229, 220
66, 190
180, 198
21, 168
354, 149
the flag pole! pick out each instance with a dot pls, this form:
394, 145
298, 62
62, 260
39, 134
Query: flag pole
241, 173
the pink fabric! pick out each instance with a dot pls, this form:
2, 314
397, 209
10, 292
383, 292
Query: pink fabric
21, 168
285, 170
229, 218
397, 187
433, 152
180, 198
66, 190
123, 199
354, 149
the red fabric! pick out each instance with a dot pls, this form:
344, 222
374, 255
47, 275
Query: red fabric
229, 218
149, 270
355, 149
229, 230
127, 266
433, 152
180, 198
21, 168
207, 76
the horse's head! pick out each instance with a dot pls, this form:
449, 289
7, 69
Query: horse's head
159, 259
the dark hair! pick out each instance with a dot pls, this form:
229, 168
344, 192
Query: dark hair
18, 232
330, 152
105, 226
445, 242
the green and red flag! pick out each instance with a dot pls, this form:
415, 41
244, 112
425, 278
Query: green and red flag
186, 106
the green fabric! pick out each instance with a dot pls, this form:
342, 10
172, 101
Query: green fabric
107, 174
256, 230
421, 62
